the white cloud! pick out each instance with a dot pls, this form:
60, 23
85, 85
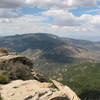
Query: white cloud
82, 2
22, 28
9, 14
94, 10
62, 17
66, 19
23, 19
23, 24
13, 4
64, 22
92, 22
63, 3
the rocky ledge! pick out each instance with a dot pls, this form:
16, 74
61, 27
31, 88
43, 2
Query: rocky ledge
36, 90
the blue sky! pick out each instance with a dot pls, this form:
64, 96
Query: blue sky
67, 18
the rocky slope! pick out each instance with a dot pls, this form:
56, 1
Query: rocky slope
35, 90
19, 67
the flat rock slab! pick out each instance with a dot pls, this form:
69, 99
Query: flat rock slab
20, 90
35, 90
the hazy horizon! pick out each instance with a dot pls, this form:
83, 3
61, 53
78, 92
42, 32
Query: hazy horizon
76, 38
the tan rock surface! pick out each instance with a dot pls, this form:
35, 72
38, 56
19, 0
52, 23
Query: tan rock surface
35, 90
66, 90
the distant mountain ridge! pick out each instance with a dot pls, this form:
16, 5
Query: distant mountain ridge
83, 43
51, 47
69, 41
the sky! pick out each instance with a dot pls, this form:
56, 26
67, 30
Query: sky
78, 19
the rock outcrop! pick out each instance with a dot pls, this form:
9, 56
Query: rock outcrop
35, 87
66, 90
17, 66
35, 90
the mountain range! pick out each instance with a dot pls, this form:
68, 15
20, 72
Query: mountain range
51, 47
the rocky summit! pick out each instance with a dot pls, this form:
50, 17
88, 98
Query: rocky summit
36, 90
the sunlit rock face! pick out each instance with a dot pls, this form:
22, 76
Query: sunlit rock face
36, 90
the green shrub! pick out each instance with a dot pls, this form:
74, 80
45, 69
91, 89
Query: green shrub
4, 79
15, 87
1, 98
